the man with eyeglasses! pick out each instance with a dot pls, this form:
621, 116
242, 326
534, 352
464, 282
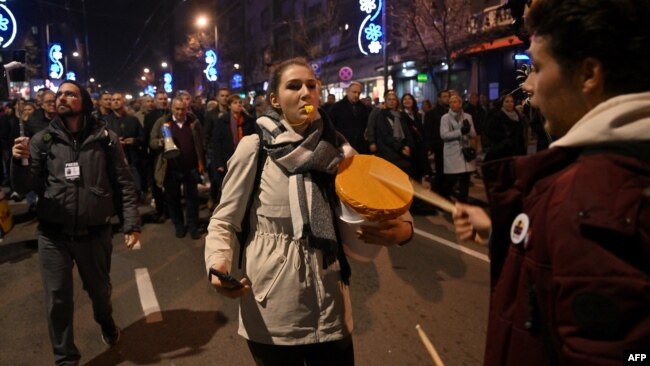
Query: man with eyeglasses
42, 117
76, 165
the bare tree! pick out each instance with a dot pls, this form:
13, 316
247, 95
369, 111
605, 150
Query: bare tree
319, 36
436, 30
32, 57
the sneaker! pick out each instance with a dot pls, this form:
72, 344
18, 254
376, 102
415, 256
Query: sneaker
110, 333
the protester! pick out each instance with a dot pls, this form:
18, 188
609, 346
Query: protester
295, 305
504, 132
569, 231
374, 118
432, 137
179, 176
74, 207
456, 131
393, 136
227, 132
350, 117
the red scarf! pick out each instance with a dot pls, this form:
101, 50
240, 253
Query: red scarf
237, 128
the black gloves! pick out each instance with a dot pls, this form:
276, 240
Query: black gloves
466, 127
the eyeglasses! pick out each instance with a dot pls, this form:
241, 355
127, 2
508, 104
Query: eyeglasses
67, 94
49, 101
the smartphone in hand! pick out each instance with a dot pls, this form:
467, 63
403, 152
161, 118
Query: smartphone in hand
227, 280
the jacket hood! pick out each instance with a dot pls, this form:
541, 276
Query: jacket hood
86, 101
622, 118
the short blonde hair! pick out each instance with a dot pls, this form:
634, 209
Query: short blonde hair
456, 96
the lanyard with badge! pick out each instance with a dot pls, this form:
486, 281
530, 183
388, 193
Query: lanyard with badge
72, 171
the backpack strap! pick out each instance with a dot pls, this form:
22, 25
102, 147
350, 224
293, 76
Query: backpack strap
246, 223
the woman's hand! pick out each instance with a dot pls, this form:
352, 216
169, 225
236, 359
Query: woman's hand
386, 233
472, 223
223, 289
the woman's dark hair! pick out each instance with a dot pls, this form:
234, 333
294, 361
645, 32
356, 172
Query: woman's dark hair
615, 32
415, 102
274, 85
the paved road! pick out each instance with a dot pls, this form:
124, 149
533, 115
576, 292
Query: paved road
427, 282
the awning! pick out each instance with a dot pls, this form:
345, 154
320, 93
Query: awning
492, 45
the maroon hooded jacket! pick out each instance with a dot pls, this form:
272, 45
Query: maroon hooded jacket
576, 289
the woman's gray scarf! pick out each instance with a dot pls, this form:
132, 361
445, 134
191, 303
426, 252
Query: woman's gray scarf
512, 115
310, 161
396, 124
457, 116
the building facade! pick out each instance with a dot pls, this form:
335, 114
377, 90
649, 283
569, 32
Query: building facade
335, 36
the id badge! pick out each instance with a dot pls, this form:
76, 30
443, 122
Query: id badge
72, 171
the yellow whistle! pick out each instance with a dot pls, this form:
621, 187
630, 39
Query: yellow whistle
309, 108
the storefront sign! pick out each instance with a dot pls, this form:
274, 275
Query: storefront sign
237, 81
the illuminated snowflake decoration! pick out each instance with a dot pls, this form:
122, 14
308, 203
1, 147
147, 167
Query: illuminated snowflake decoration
373, 32
8, 25
55, 55
370, 34
374, 47
211, 65
367, 6
168, 82
4, 22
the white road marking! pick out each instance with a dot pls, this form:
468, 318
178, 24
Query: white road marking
147, 296
453, 245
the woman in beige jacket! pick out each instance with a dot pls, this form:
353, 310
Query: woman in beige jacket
295, 285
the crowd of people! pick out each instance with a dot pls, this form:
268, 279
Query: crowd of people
567, 227
400, 129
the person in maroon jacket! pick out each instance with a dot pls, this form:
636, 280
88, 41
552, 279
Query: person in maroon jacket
569, 227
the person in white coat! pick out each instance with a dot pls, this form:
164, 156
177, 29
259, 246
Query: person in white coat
456, 131
294, 300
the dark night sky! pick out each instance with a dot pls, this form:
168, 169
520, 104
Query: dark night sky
124, 35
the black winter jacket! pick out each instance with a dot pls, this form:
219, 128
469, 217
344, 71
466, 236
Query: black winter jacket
75, 207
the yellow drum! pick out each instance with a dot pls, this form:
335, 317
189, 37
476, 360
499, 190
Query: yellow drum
370, 189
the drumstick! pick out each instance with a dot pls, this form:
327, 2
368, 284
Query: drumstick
429, 346
421, 192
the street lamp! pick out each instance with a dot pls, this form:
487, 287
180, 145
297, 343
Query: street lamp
202, 22
75, 54
146, 70
92, 80
163, 65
